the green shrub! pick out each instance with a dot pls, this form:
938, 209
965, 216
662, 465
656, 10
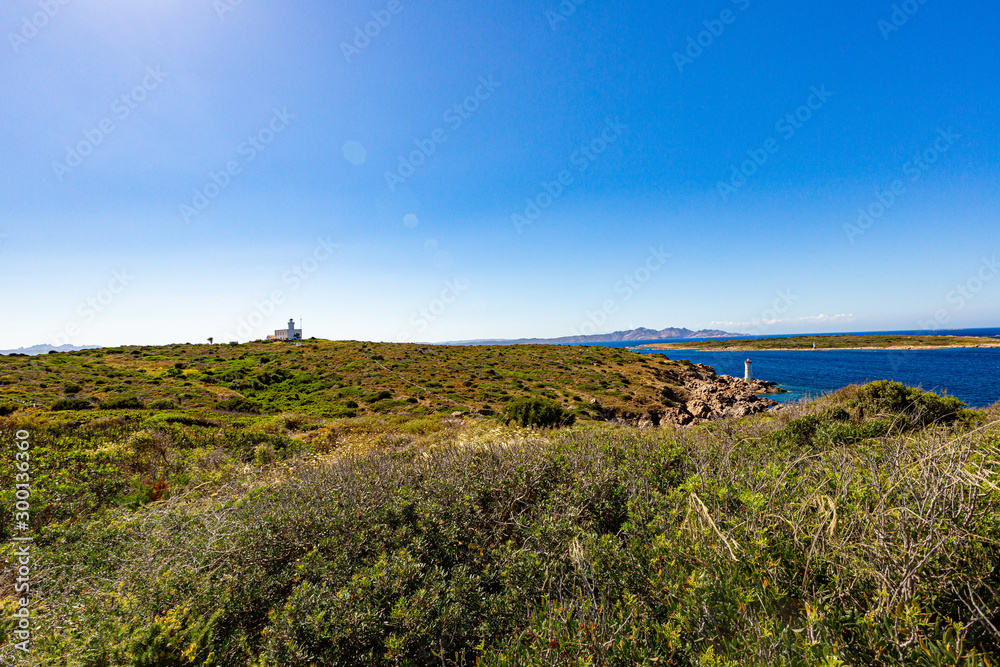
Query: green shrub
163, 404
917, 407
123, 403
67, 404
872, 411
422, 426
540, 412
294, 422
238, 404
176, 418
263, 454
7, 409
387, 405
379, 396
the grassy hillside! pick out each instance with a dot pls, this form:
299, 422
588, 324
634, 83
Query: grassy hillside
863, 529
845, 342
137, 425
327, 379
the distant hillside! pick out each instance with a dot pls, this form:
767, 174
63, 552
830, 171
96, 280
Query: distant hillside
641, 333
35, 350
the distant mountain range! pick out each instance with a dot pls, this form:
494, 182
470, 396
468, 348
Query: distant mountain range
641, 333
45, 349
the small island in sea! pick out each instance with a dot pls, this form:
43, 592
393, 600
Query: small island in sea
841, 342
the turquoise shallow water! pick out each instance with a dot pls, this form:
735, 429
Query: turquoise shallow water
971, 375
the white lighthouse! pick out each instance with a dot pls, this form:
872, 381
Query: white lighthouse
291, 333
749, 372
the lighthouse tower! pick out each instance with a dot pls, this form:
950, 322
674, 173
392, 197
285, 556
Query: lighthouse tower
291, 333
749, 373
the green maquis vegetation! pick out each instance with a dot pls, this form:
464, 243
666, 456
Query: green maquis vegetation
330, 380
359, 504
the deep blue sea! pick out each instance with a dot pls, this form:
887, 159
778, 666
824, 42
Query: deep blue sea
971, 375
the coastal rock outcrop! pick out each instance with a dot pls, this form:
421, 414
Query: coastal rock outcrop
710, 396
696, 395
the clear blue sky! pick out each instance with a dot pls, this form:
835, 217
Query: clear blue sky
115, 112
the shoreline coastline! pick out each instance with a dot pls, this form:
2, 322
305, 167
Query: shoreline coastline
888, 343
905, 348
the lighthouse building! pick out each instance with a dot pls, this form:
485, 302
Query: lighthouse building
291, 333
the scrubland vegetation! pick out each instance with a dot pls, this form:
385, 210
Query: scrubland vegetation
339, 380
861, 529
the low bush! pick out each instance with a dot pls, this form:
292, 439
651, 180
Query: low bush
177, 418
422, 426
238, 404
69, 404
538, 412
918, 407
874, 410
378, 396
387, 405
123, 403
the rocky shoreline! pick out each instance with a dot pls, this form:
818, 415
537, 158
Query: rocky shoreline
704, 396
